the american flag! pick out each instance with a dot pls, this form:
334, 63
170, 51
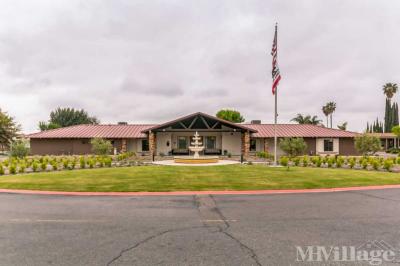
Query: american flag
276, 75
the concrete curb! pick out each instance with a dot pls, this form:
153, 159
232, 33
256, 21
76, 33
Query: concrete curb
190, 193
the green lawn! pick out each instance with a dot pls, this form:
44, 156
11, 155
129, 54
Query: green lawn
170, 178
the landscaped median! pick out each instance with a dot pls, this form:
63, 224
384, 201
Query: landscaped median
212, 178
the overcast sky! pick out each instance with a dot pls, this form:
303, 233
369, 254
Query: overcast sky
152, 61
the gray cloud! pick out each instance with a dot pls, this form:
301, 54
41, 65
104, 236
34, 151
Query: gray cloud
150, 61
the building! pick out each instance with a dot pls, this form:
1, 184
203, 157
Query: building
220, 137
388, 140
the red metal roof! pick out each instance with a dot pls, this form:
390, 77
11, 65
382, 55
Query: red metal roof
137, 131
94, 131
295, 130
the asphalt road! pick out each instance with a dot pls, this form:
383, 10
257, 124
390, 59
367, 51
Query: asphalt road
190, 230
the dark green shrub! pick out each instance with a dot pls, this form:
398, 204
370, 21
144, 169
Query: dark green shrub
65, 163
352, 163
82, 162
22, 168
43, 165
364, 163
1, 169
54, 165
319, 162
296, 161
91, 163
305, 161
108, 161
375, 164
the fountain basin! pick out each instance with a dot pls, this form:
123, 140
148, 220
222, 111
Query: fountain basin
198, 160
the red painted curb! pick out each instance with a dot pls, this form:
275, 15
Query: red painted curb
186, 193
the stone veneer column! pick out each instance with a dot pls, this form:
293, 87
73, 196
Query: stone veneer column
152, 143
123, 146
266, 145
245, 144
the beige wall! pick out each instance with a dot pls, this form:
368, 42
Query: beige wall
232, 142
320, 146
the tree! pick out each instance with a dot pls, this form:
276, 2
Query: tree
325, 110
330, 109
293, 146
344, 126
390, 89
101, 146
9, 130
230, 115
65, 117
300, 119
396, 131
367, 145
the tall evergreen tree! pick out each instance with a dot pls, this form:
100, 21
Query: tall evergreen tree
395, 115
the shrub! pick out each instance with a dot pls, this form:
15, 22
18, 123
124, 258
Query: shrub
73, 163
284, 161
293, 146
314, 160
375, 164
100, 161
101, 146
364, 163
108, 161
1, 169
331, 161
65, 163
35, 166
12, 169
43, 165
6, 163
19, 149
388, 164
319, 162
296, 161
339, 162
82, 162
22, 168
366, 144
352, 163
54, 165
305, 161
91, 163
264, 155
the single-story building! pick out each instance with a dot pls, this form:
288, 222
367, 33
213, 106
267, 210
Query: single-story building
220, 137
388, 140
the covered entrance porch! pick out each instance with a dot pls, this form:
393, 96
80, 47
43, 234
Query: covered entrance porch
218, 136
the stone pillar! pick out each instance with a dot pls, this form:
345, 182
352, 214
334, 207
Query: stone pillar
152, 144
245, 144
123, 146
266, 145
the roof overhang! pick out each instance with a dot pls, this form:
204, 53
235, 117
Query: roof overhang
201, 122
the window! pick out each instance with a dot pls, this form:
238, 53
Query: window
253, 145
211, 142
182, 143
328, 144
145, 145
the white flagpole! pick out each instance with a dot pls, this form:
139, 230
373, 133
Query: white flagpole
276, 121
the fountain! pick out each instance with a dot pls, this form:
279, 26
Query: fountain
196, 147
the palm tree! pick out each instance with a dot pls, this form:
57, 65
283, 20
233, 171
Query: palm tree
389, 89
331, 106
325, 110
301, 119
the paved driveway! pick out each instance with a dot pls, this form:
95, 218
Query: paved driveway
190, 230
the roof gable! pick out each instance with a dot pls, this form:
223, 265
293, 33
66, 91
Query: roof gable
199, 121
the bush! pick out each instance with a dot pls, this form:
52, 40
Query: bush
388, 164
65, 163
35, 166
91, 163
12, 169
108, 161
54, 165
364, 163
375, 164
305, 161
43, 165
366, 144
101, 146
264, 155
284, 161
331, 162
22, 168
339, 162
1, 169
82, 162
296, 161
352, 163
19, 149
293, 146
319, 162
